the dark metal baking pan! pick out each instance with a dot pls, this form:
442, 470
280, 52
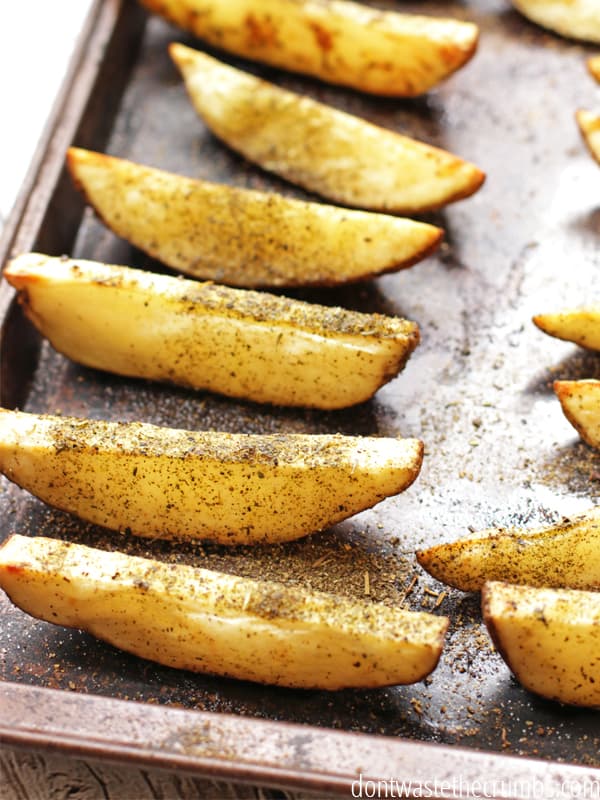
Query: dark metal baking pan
477, 391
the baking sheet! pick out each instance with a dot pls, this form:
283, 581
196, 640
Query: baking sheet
477, 391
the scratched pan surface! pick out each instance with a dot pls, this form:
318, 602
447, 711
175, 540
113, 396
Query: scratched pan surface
477, 391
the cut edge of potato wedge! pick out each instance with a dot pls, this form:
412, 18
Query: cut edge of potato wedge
589, 126
578, 325
562, 555
337, 155
197, 619
240, 343
573, 19
580, 402
243, 237
380, 52
166, 483
549, 639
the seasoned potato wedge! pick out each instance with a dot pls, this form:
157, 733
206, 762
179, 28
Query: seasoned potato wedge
550, 639
327, 151
589, 125
240, 343
594, 67
382, 52
242, 237
580, 401
564, 555
578, 325
229, 488
575, 19
207, 621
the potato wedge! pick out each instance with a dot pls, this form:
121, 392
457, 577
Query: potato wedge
176, 484
580, 401
337, 155
239, 343
575, 19
564, 555
381, 52
589, 125
578, 325
206, 621
241, 237
593, 65
550, 639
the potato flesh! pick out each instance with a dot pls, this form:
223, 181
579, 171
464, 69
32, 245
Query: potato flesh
229, 488
384, 53
579, 325
239, 343
589, 125
565, 555
550, 639
335, 154
575, 19
580, 401
241, 237
206, 621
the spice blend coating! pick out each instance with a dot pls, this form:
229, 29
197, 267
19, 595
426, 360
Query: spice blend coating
327, 151
206, 621
235, 342
550, 639
564, 555
175, 484
242, 237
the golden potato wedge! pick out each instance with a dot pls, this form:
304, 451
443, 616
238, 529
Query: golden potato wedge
589, 125
176, 484
241, 237
381, 52
578, 325
580, 401
206, 621
550, 639
335, 154
236, 342
564, 555
575, 19
593, 65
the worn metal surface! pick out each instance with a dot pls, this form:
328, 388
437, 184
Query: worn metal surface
477, 391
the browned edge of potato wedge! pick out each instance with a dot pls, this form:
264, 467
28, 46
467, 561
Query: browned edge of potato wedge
578, 325
335, 154
242, 237
380, 52
574, 19
239, 343
593, 65
549, 638
167, 483
563, 555
205, 621
589, 126
580, 401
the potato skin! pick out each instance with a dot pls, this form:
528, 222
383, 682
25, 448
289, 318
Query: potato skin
177, 484
337, 155
206, 621
578, 325
241, 237
549, 638
382, 52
